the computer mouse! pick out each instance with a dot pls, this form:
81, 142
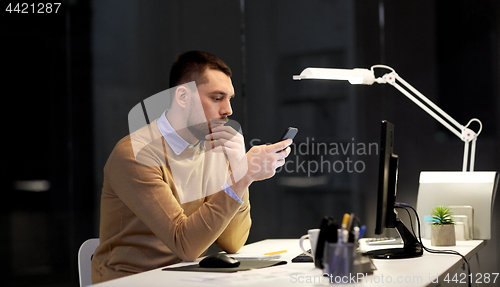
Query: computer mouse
219, 261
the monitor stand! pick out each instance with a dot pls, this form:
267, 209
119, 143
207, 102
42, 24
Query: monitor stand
411, 248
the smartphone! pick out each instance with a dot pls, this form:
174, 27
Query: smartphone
289, 133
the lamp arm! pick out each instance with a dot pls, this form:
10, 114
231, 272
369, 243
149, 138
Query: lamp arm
472, 156
464, 133
431, 112
430, 103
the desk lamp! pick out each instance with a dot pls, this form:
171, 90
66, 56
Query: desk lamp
460, 189
367, 77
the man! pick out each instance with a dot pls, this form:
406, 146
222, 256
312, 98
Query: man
180, 183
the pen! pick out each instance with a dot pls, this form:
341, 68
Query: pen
350, 225
355, 230
344, 233
351, 220
362, 231
275, 252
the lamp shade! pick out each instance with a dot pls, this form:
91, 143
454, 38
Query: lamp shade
354, 76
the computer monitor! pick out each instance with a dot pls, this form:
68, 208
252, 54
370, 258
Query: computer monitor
387, 216
387, 180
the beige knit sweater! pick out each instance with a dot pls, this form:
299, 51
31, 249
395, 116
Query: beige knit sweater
143, 224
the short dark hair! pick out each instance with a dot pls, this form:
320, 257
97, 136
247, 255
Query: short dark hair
191, 66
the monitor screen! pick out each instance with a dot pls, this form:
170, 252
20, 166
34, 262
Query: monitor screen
386, 199
387, 181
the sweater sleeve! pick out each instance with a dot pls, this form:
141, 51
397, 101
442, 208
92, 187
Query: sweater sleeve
236, 233
148, 191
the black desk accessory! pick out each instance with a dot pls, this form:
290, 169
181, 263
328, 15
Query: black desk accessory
244, 265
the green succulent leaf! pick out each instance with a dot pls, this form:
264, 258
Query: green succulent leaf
441, 215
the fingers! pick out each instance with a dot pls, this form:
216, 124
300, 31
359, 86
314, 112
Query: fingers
280, 159
234, 144
283, 153
227, 129
279, 146
271, 153
219, 142
227, 137
222, 132
225, 148
263, 160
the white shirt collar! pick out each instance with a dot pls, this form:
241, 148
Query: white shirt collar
174, 140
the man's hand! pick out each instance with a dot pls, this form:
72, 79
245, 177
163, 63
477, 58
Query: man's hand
261, 162
227, 140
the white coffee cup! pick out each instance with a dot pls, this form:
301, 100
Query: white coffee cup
312, 235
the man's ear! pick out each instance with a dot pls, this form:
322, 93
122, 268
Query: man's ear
181, 96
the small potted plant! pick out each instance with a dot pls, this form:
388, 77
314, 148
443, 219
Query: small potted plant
443, 227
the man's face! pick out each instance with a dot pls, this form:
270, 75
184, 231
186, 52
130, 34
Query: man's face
215, 97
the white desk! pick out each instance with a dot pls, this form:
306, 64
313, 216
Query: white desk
410, 272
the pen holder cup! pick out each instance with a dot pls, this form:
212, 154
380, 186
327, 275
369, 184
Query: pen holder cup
340, 260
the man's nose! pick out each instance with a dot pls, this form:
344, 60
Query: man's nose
226, 109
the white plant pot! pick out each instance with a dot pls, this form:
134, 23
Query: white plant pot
443, 235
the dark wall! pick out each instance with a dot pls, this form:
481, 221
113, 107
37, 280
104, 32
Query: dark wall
46, 171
